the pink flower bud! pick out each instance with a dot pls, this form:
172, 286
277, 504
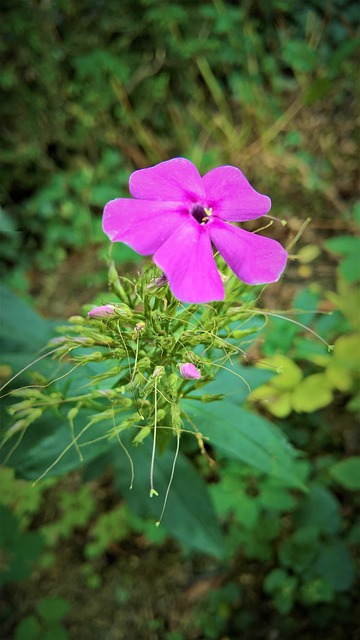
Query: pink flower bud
189, 371
102, 312
157, 283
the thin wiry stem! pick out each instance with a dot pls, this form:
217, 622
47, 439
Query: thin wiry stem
126, 453
153, 492
28, 367
171, 477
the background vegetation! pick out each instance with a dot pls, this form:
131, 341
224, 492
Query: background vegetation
91, 91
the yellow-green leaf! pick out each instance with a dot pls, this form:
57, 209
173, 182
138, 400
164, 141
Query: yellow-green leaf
314, 392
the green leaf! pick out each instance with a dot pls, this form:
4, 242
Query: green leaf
315, 352
347, 473
288, 373
242, 435
320, 509
189, 515
22, 329
282, 587
19, 549
7, 224
313, 393
230, 497
335, 565
52, 609
276, 498
300, 56
299, 551
318, 89
348, 247
343, 245
275, 580
28, 629
273, 400
316, 590
55, 632
49, 443
235, 384
347, 352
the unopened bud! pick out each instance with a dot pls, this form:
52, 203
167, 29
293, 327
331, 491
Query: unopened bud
157, 283
84, 341
96, 356
175, 416
76, 320
188, 371
73, 413
104, 311
158, 371
59, 340
34, 415
144, 363
173, 383
207, 397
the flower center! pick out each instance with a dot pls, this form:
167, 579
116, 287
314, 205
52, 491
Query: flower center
200, 214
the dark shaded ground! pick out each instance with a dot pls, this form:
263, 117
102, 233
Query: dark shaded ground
151, 593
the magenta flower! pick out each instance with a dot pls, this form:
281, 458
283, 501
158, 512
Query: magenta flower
177, 215
189, 371
104, 311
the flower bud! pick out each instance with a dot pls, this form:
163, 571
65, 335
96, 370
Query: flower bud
84, 341
157, 283
144, 364
95, 356
188, 371
173, 383
76, 320
207, 397
59, 340
103, 311
175, 416
72, 413
158, 372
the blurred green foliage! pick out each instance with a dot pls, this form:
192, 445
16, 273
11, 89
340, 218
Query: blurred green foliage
91, 91
323, 369
46, 622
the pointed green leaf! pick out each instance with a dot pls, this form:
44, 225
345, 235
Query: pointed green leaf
242, 435
347, 473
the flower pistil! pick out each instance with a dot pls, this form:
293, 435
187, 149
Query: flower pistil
200, 213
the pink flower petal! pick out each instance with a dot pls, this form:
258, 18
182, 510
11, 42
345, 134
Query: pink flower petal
254, 259
142, 224
232, 197
174, 180
187, 259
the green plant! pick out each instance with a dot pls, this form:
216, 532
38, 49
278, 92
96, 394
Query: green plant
308, 378
20, 549
199, 94
46, 622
